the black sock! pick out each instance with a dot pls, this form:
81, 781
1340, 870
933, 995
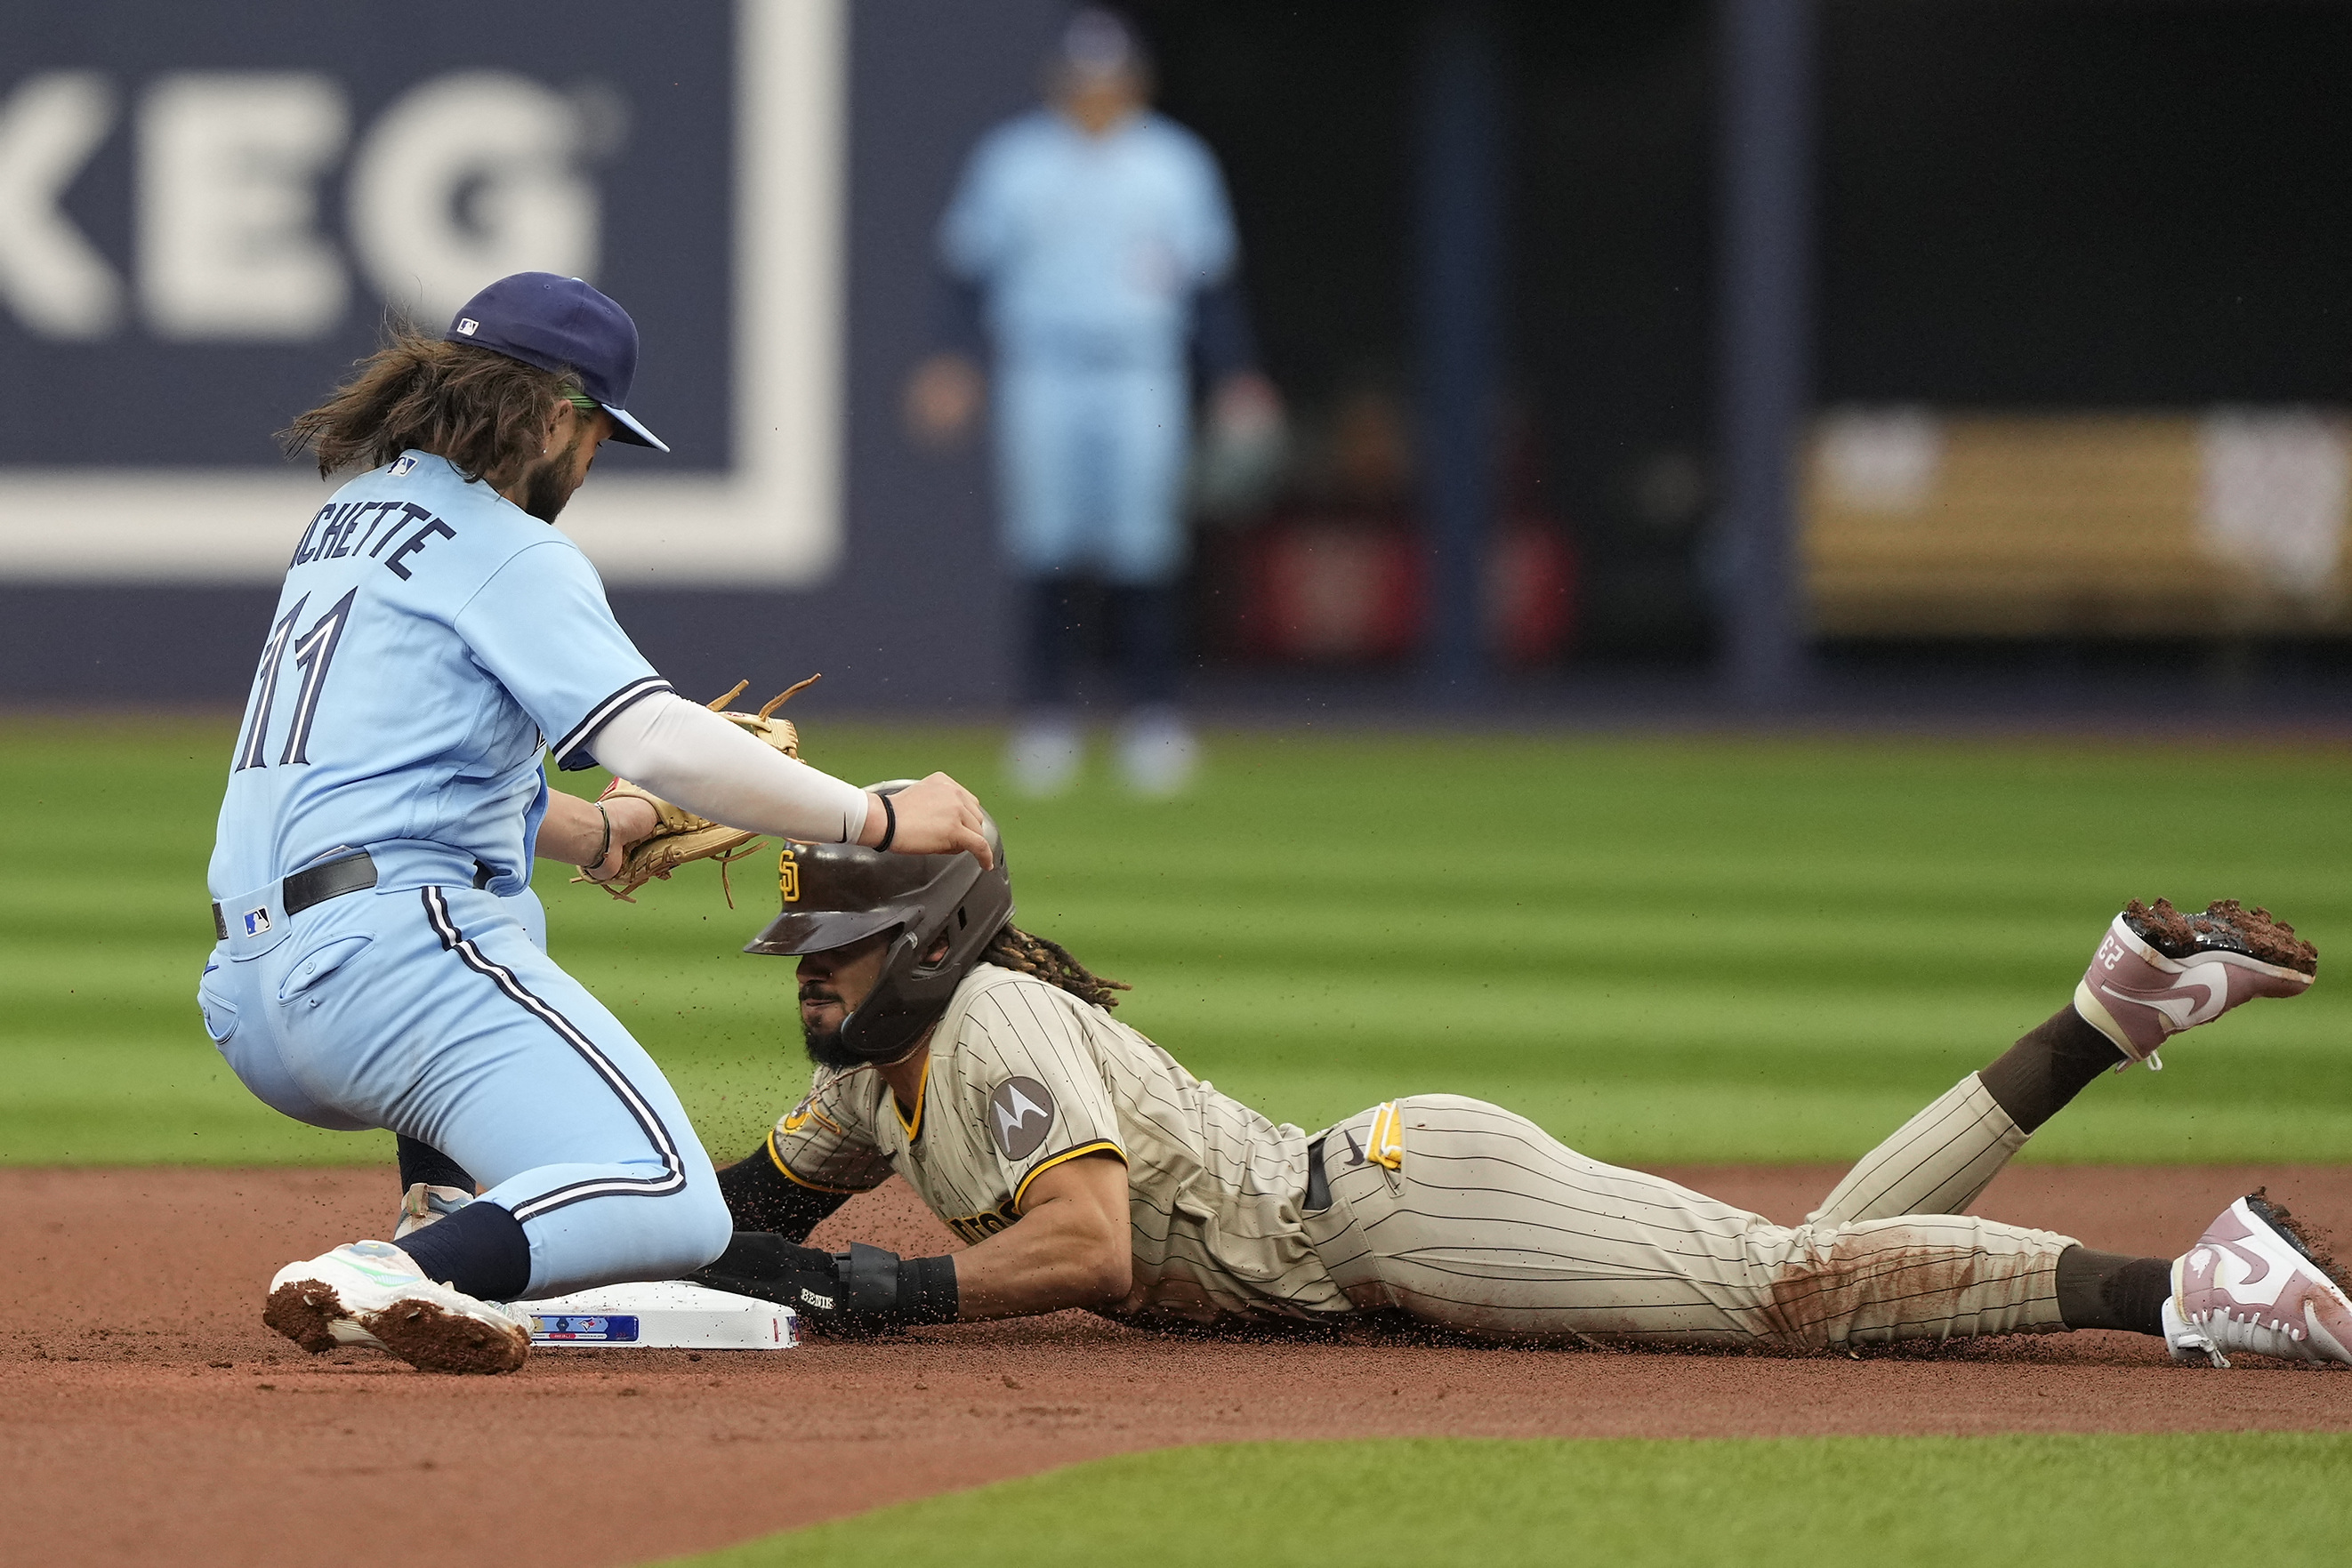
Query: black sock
1051, 650
2113, 1290
1149, 623
2034, 1079
421, 1162
480, 1250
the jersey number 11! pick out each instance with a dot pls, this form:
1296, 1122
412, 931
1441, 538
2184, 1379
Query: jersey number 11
314, 652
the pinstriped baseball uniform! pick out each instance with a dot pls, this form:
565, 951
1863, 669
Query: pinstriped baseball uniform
1458, 1212
1936, 1163
1023, 1076
1486, 1224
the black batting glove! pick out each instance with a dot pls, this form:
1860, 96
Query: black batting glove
863, 1291
764, 1264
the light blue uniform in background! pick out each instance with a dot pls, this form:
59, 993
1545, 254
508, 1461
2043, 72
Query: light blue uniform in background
1088, 252
430, 639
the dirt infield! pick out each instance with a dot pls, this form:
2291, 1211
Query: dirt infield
144, 1410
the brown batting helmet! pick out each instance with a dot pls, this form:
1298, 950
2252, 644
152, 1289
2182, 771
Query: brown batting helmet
834, 894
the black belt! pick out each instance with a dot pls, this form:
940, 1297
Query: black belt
351, 874
1319, 1186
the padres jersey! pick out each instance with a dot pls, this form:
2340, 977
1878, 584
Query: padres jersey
430, 639
1090, 249
1448, 1209
1023, 1077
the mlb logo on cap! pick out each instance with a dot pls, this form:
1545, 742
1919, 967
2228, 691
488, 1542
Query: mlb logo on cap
467, 325
256, 921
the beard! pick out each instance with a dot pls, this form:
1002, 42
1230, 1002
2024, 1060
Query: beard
547, 485
825, 1046
825, 1049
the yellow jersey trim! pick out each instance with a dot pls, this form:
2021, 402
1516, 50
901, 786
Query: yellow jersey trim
799, 1117
914, 1129
1100, 1147
1386, 1145
790, 1175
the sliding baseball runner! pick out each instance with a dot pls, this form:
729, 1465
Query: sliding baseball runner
1088, 1168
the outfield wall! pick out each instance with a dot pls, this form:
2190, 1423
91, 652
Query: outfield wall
211, 211
2081, 377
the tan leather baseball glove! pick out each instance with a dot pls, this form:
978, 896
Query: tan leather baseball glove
679, 837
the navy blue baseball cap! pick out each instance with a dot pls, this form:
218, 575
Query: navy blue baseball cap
561, 324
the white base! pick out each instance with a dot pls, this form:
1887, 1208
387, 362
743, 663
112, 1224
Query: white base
658, 1314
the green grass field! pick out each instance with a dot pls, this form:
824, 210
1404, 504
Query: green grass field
1663, 949
1950, 1502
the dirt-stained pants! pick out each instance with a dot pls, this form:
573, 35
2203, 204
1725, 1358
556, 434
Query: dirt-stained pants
1489, 1225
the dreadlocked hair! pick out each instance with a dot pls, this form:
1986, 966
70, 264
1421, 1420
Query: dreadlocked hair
485, 412
1013, 949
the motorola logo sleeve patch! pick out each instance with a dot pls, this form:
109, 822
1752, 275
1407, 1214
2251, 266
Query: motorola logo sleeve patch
1019, 1114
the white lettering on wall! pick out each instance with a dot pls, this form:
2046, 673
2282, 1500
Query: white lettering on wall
466, 178
58, 284
228, 239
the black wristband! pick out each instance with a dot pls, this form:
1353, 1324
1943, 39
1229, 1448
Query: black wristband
604, 846
927, 1289
889, 825
881, 1289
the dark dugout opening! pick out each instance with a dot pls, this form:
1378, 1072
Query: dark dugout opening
2078, 203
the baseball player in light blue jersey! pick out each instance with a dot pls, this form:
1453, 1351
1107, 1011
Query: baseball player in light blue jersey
376, 964
1092, 240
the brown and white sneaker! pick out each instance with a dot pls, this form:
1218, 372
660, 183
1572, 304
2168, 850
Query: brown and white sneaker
372, 1293
2255, 1285
2160, 971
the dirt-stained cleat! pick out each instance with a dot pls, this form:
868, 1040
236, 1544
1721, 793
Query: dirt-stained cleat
370, 1292
423, 1204
2254, 1285
2160, 971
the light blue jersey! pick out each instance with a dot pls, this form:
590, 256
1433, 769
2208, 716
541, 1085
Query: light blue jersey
1090, 249
431, 638
1088, 252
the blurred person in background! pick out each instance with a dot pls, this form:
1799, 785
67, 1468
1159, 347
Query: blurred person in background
1089, 254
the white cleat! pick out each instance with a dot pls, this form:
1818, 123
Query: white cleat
2161, 970
1158, 754
1044, 756
372, 1293
2250, 1287
423, 1205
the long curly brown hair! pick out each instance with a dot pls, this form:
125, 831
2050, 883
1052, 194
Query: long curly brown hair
1013, 949
485, 412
